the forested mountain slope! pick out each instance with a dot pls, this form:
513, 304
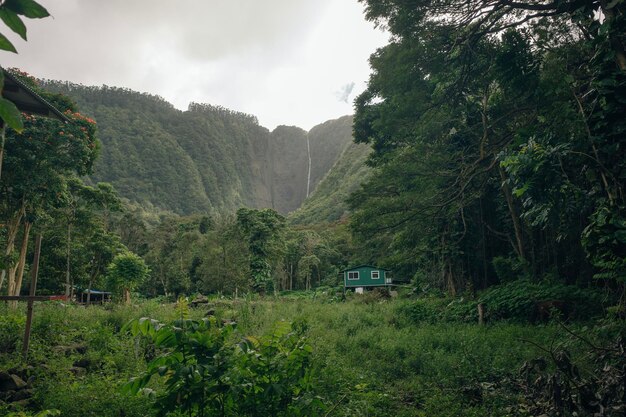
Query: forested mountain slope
205, 159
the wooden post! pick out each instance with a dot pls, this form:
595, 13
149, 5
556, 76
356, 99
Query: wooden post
33, 288
481, 314
2, 142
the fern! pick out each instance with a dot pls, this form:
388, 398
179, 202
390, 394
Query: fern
182, 308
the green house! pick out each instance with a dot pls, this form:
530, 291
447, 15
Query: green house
364, 276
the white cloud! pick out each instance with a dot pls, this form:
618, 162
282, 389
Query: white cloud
281, 60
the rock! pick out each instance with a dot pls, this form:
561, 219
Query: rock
228, 322
68, 350
19, 382
23, 372
62, 349
210, 312
80, 348
11, 382
21, 404
82, 363
78, 371
6, 383
201, 299
22, 395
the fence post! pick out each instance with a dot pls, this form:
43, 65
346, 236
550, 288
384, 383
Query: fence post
33, 288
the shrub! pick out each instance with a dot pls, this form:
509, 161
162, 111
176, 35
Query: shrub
206, 373
520, 301
508, 269
11, 330
420, 311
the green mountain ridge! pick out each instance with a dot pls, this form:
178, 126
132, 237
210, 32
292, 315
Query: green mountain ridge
207, 159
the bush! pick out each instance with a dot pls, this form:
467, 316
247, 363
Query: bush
205, 370
524, 300
519, 301
11, 330
421, 311
508, 269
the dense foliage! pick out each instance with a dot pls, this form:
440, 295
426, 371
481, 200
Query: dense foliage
39, 168
498, 138
208, 373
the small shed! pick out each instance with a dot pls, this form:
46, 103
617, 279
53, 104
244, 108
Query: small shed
94, 297
366, 276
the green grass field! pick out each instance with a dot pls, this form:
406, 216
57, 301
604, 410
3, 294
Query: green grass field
370, 357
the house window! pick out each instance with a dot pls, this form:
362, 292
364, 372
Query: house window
375, 274
353, 275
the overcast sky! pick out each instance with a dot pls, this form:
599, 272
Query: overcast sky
293, 62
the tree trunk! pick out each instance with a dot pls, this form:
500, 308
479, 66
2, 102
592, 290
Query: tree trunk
13, 226
127, 296
164, 284
3, 130
451, 283
484, 243
67, 259
89, 292
514, 216
16, 274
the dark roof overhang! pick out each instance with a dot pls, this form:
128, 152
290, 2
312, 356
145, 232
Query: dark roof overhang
26, 100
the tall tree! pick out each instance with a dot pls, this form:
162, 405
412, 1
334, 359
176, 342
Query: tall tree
263, 229
37, 165
125, 273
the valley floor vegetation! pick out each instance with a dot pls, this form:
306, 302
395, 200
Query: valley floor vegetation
312, 354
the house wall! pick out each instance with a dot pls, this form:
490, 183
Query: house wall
365, 277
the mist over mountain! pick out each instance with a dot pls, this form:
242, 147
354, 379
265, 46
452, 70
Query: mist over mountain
206, 159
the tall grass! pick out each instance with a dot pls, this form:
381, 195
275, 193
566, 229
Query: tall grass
371, 359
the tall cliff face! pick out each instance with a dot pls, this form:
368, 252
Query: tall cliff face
206, 159
328, 203
327, 142
290, 165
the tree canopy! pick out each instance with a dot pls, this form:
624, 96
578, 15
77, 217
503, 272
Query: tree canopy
496, 136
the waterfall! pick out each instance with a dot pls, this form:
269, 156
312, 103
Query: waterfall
308, 178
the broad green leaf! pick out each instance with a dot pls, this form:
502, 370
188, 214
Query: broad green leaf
13, 21
133, 386
164, 337
48, 413
28, 8
11, 115
6, 44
